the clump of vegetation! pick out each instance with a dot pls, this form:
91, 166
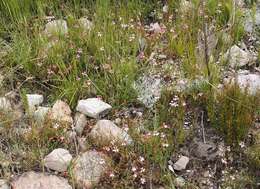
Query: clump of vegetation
253, 154
232, 111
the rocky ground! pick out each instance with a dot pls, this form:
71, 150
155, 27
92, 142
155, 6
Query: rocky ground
164, 139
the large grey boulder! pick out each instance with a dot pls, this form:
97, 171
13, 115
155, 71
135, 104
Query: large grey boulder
105, 132
93, 107
33, 180
88, 169
58, 160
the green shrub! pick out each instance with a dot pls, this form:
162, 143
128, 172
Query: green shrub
232, 112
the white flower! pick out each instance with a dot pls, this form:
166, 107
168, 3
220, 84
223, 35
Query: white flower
99, 34
141, 159
242, 144
143, 181
165, 145
134, 169
111, 175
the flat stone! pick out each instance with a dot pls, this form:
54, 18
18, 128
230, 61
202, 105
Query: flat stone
93, 107
58, 160
34, 100
61, 112
4, 184
181, 163
105, 132
56, 27
41, 113
5, 104
33, 180
80, 121
88, 169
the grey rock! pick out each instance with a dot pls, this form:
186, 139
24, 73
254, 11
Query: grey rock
206, 151
88, 168
58, 160
33, 180
56, 27
238, 57
149, 90
83, 144
252, 20
251, 82
180, 182
80, 121
181, 163
33, 101
41, 113
4, 184
61, 112
105, 132
93, 107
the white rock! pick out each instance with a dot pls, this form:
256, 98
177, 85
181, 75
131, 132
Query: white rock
4, 184
86, 24
32, 180
58, 160
61, 112
56, 27
181, 163
80, 121
33, 101
250, 81
238, 57
41, 113
88, 168
105, 132
5, 104
93, 107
